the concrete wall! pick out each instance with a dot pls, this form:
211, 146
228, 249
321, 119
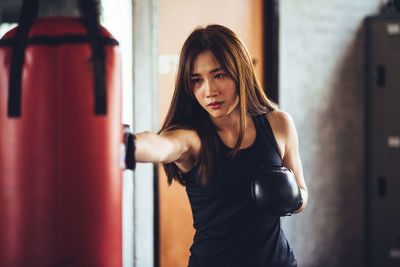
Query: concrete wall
321, 86
56, 7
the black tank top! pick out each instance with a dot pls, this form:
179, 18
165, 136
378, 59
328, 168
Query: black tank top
229, 230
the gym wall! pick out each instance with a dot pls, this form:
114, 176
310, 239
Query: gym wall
322, 87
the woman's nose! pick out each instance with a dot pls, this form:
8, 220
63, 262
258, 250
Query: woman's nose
211, 89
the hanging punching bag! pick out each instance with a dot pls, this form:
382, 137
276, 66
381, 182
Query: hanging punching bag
60, 134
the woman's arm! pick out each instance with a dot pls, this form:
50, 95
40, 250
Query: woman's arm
179, 146
286, 135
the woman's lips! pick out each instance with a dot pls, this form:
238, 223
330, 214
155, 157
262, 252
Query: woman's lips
215, 105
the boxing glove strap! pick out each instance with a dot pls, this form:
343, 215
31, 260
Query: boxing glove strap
89, 10
27, 15
129, 140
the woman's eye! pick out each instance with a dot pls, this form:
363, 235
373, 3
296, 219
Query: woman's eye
196, 80
219, 75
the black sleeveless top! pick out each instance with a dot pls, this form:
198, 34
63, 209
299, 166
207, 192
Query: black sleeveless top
229, 229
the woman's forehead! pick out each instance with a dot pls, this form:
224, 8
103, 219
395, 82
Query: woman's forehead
205, 62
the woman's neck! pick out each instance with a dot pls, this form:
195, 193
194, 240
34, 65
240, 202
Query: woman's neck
230, 122
228, 129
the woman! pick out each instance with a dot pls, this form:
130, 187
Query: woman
219, 130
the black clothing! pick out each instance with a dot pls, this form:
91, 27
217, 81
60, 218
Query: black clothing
229, 230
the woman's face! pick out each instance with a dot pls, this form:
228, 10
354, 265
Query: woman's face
213, 88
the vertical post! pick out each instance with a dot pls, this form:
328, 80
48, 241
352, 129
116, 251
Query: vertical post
145, 104
271, 48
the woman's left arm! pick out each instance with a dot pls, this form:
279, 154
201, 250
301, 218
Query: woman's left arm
291, 156
286, 136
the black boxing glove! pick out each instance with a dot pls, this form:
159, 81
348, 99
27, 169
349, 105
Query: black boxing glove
275, 191
129, 140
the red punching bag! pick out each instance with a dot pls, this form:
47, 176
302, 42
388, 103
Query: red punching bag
60, 133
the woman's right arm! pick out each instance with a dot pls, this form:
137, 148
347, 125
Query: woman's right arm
179, 146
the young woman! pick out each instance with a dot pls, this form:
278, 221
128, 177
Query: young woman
219, 130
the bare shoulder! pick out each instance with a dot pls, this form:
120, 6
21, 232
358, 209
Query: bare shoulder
190, 145
181, 133
280, 121
284, 130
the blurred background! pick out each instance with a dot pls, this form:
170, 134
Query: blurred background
333, 65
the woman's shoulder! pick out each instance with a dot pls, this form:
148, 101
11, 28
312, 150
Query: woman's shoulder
283, 128
186, 136
279, 119
178, 129
192, 143
188, 143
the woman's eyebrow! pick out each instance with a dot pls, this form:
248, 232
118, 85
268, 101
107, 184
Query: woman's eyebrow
216, 70
212, 71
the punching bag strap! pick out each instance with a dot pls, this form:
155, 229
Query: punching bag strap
91, 20
90, 17
27, 15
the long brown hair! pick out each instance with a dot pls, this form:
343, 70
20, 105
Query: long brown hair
185, 112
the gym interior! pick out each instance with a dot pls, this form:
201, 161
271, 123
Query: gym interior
333, 65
